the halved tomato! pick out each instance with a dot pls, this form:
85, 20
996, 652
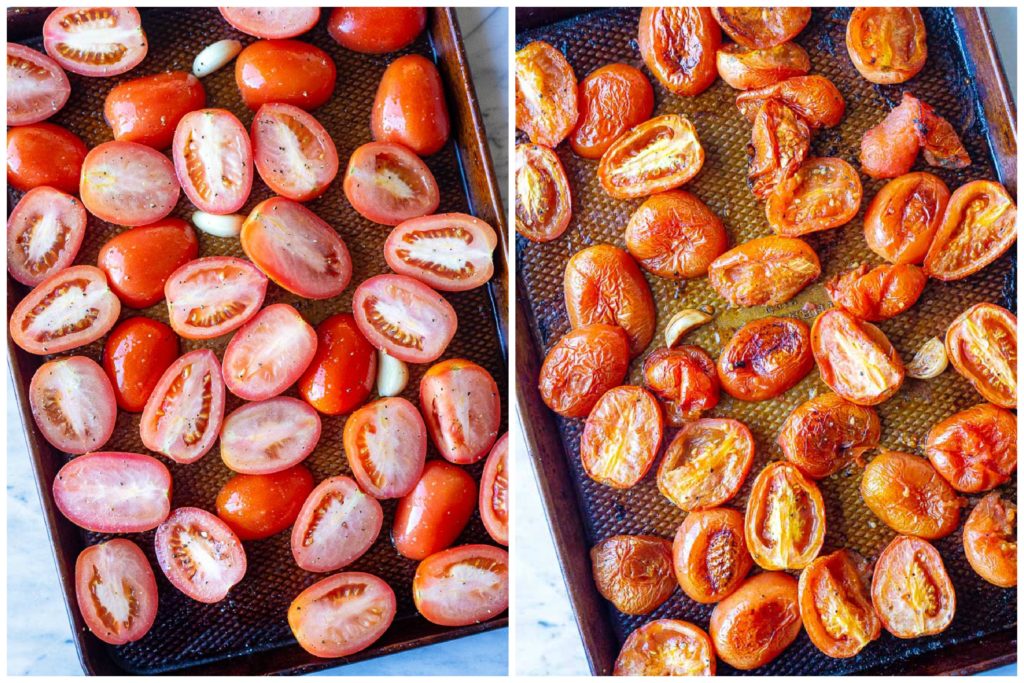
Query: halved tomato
827, 432
766, 357
114, 493
976, 449
147, 110
44, 154
128, 184
659, 154
622, 437
44, 233
404, 317
835, 604
990, 540
982, 345
902, 219
337, 524
342, 371
814, 98
271, 22
286, 71
37, 88
634, 573
759, 620
709, 554
546, 94
448, 251
464, 585
747, 68
269, 353
258, 506
762, 27
462, 409
295, 156
342, 614
855, 359
910, 589
666, 647
72, 403
890, 148
822, 194
765, 271
612, 99
684, 378
409, 107
979, 225
785, 519
879, 293
386, 183
213, 160
199, 554
543, 197
385, 445
376, 30
269, 436
779, 143
906, 493
429, 518
887, 44
581, 366
116, 591
706, 463
675, 235
183, 415
678, 44
214, 295
494, 503
139, 261
135, 356
95, 41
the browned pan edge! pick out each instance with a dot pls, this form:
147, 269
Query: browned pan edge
549, 458
481, 188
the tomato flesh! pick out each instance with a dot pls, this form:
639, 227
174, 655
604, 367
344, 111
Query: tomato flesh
910, 589
887, 44
451, 252
990, 540
785, 519
269, 436
37, 88
95, 41
72, 403
764, 271
835, 604
386, 446
342, 614
494, 496
404, 317
44, 233
902, 219
709, 554
706, 463
386, 183
213, 160
978, 226
116, 591
214, 295
621, 437
660, 154
199, 554
462, 586
546, 94
855, 359
543, 196
982, 346
295, 156
336, 525
779, 143
126, 183
666, 647
462, 409
271, 22
822, 194
269, 353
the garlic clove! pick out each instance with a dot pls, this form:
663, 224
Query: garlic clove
228, 225
682, 323
215, 57
930, 360
392, 375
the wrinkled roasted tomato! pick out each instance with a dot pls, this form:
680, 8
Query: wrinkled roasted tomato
890, 148
855, 359
978, 226
911, 590
684, 379
976, 449
887, 44
762, 27
666, 647
824, 193
543, 198
546, 96
939, 140
678, 44
710, 554
785, 520
901, 220
826, 433
634, 573
835, 604
675, 235
779, 143
612, 100
765, 358
622, 436
878, 293
982, 345
582, 366
765, 271
990, 540
906, 493
706, 463
758, 621
660, 154
814, 98
746, 68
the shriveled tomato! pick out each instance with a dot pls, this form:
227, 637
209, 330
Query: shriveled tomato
706, 463
72, 403
939, 141
404, 317
214, 295
910, 589
827, 432
634, 573
451, 252
341, 374
766, 357
678, 44
887, 44
910, 496
37, 88
612, 99
259, 506
622, 437
762, 27
285, 71
269, 436
462, 586
982, 345
660, 154
93, 492
95, 41
822, 194
546, 94
684, 378
386, 446
271, 22
764, 271
116, 591
429, 518
582, 366
890, 148
127, 183
543, 197
139, 261
759, 620
44, 233
603, 284
294, 155
199, 554
462, 409
342, 614
979, 225
814, 98
709, 554
268, 353
494, 503
386, 183
747, 68
675, 235
877, 293
336, 525
135, 356
409, 107
666, 647
855, 359
990, 540
44, 154
976, 449
835, 605
213, 160
376, 30
785, 519
779, 143
902, 219
148, 109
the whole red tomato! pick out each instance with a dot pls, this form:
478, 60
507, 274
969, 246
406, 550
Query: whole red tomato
44, 154
287, 71
258, 506
148, 109
135, 356
343, 370
376, 30
409, 108
433, 515
139, 260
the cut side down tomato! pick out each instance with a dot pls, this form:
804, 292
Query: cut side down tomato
72, 403
902, 219
657, 155
409, 107
762, 27
581, 366
451, 252
269, 436
675, 235
336, 525
95, 41
879, 293
258, 506
827, 432
634, 573
269, 353
213, 160
214, 295
386, 446
341, 374
135, 356
906, 493
44, 154
678, 44
990, 540
779, 143
285, 71
44, 233
429, 518
765, 358
116, 591
139, 261
685, 379
37, 88
114, 493
612, 99
822, 194
147, 110
404, 317
387, 183
376, 30
199, 554
464, 585
747, 68
342, 614
814, 98
982, 346
754, 624
976, 449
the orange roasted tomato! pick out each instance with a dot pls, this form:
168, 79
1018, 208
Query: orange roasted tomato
911, 590
765, 358
976, 449
666, 647
148, 109
660, 154
901, 220
710, 554
765, 271
814, 98
978, 226
706, 463
855, 359
906, 493
939, 141
779, 143
678, 44
878, 293
582, 366
785, 520
44, 154
675, 235
887, 44
746, 68
825, 433
622, 436
546, 94
684, 378
603, 284
824, 193
543, 198
835, 604
757, 622
890, 148
762, 27
982, 345
612, 100
285, 71
990, 540
634, 573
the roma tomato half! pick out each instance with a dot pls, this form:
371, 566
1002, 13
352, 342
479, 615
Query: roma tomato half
634, 573
451, 252
259, 506
199, 554
887, 44
214, 295
678, 44
706, 463
543, 197
72, 403
264, 437
404, 317
135, 356
982, 346
978, 226
342, 614
336, 525
462, 586
666, 647
675, 235
902, 219
295, 156
37, 88
95, 41
622, 437
285, 71
106, 574
494, 496
910, 589
430, 517
148, 109
878, 293
376, 30
44, 233
975, 449
759, 620
386, 446
582, 366
825, 433
139, 261
44, 154
269, 353
835, 604
906, 493
765, 358
855, 358
409, 107
462, 409
990, 540
814, 98
343, 369
546, 94
709, 554
126, 183
386, 183
271, 22
762, 27
779, 143
785, 519
746, 68
822, 194
213, 160
659, 154
764, 271
612, 99
685, 380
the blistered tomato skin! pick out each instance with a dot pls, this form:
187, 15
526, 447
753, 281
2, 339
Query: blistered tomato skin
902, 219
582, 366
990, 540
855, 359
675, 235
814, 98
910, 496
147, 110
678, 44
765, 358
659, 154
634, 573
779, 142
44, 154
978, 226
835, 604
746, 68
546, 94
709, 554
826, 433
876, 294
135, 355
982, 346
666, 647
785, 519
612, 99
543, 196
287, 71
975, 449
910, 589
621, 437
764, 271
754, 624
762, 27
684, 378
706, 463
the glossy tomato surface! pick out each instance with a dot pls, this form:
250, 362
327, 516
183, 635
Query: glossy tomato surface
990, 540
582, 366
543, 196
835, 604
451, 252
706, 463
409, 108
116, 591
762, 27
902, 219
855, 358
890, 148
757, 622
199, 554
634, 573
659, 154
342, 614
982, 345
666, 647
978, 226
259, 506
284, 71
822, 194
213, 160
72, 403
779, 144
139, 261
91, 491
341, 374
148, 109
461, 406
294, 155
622, 436
386, 446
387, 183
940, 144
765, 358
764, 271
430, 517
95, 41
271, 22
814, 98
747, 68
464, 585
975, 449
44, 233
825, 433
127, 183
404, 317
785, 519
135, 356
910, 589
336, 525
376, 30
887, 44
709, 554
910, 496
685, 380
44, 154
879, 293
678, 44
494, 493
269, 353
612, 99
214, 295
37, 88
546, 94
264, 437
675, 235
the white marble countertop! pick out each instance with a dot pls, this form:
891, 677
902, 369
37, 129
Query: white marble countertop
39, 633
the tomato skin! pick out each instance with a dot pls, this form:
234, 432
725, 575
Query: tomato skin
285, 71
323, 633
28, 227
840, 577
276, 130
879, 293
129, 566
189, 526
211, 296
139, 261
409, 107
121, 26
910, 496
745, 68
105, 187
990, 540
259, 506
900, 615
430, 517
375, 304
783, 495
461, 406
779, 143
582, 366
342, 372
423, 248
135, 356
975, 449
654, 649
709, 554
634, 573
368, 194
72, 404
843, 346
890, 148
765, 358
439, 582
675, 235
902, 219
546, 94
376, 30
401, 459
494, 495
37, 88
684, 378
822, 194
271, 22
706, 463
337, 524
199, 137
764, 271
618, 170
44, 154
269, 353
978, 226
981, 343
265, 437
826, 432
678, 44
761, 27
543, 196
621, 437
147, 110
814, 98
612, 99
874, 30
759, 620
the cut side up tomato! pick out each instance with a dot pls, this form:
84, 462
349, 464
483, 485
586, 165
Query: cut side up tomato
295, 156
404, 317
336, 525
451, 252
95, 41
621, 437
462, 409
494, 496
543, 196
660, 154
37, 88
387, 183
116, 591
44, 233
982, 346
213, 160
269, 436
342, 614
269, 353
386, 446
199, 554
462, 586
126, 183
72, 403
214, 295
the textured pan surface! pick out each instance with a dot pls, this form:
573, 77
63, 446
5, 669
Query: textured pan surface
592, 40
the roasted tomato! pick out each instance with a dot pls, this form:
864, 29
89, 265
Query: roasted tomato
622, 437
44, 233
387, 183
878, 293
684, 378
710, 554
376, 30
341, 374
264, 437
910, 589
44, 154
660, 154
268, 353
766, 357
116, 591
461, 586
634, 573
429, 518
546, 94
135, 355
95, 41
139, 261
342, 614
543, 198
785, 520
666, 647
582, 366
612, 100
404, 317
214, 295
72, 403
902, 219
835, 604
890, 148
494, 502
148, 109
294, 155
258, 506
747, 68
887, 44
285, 71
126, 183
855, 359
336, 525
976, 449
990, 540
765, 271
759, 620
940, 142
409, 107
706, 463
825, 433
199, 554
675, 235
814, 98
213, 160
271, 22
604, 285
678, 44
461, 406
779, 143
823, 193
979, 225
982, 345
37, 88
762, 27
385, 444
451, 252
906, 493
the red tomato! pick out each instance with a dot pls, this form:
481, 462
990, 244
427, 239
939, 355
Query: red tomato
982, 346
116, 591
462, 586
461, 405
978, 226
451, 252
294, 155
747, 68
901, 220
211, 296
990, 540
269, 436
826, 432
543, 197
762, 27
765, 358
660, 154
269, 353
213, 160
835, 604
622, 437
906, 493
779, 144
684, 378
822, 194
385, 444
612, 100
139, 261
284, 71
581, 366
855, 359
675, 235
431, 516
409, 107
72, 403
37, 88
546, 106
342, 614
259, 506
199, 554
785, 518
376, 30
754, 624
976, 449
678, 45
634, 573
494, 502
709, 554
91, 491
706, 463
95, 41
666, 647
135, 356
887, 44
386, 183
44, 234
404, 317
910, 589
343, 369
183, 415
814, 98
147, 109
879, 293
336, 525
271, 22
128, 184
44, 154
